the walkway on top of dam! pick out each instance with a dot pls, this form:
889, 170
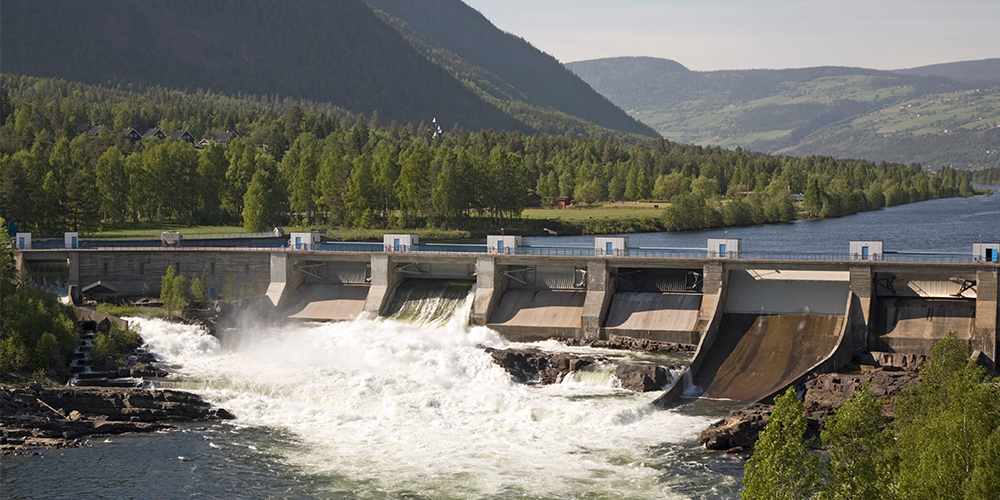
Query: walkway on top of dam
223, 243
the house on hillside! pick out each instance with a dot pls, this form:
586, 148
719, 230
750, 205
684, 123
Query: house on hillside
534, 200
183, 135
264, 146
133, 134
206, 142
225, 137
563, 202
93, 131
154, 132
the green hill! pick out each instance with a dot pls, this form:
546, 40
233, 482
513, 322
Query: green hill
342, 52
843, 112
973, 71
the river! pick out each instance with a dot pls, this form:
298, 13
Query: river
392, 409
949, 225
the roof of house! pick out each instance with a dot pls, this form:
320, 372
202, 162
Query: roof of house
180, 133
226, 136
96, 129
98, 287
154, 132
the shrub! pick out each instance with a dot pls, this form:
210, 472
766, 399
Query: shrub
114, 342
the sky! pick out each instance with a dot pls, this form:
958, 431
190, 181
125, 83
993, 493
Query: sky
706, 35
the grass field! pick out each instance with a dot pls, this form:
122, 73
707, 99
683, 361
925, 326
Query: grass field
608, 211
153, 230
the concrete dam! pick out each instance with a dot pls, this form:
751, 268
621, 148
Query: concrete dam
759, 323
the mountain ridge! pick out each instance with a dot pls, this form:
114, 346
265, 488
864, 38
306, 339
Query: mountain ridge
827, 110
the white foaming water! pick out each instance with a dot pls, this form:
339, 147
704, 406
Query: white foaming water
392, 409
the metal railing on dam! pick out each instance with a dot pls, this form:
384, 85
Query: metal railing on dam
274, 244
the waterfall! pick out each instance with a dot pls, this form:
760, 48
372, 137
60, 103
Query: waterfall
429, 303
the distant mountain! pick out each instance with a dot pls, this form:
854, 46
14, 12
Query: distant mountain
971, 71
344, 52
837, 111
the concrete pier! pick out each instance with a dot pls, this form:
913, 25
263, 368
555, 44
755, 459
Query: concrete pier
600, 290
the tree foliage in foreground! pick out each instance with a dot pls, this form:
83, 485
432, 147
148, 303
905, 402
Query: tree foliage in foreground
115, 341
943, 444
37, 332
781, 466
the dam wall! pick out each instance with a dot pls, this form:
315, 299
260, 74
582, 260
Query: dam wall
137, 273
891, 306
787, 292
984, 336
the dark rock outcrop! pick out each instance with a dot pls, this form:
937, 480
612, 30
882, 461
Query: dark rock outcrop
827, 392
824, 395
633, 344
33, 416
643, 377
538, 367
738, 432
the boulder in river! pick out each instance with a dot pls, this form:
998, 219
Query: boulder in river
538, 367
643, 377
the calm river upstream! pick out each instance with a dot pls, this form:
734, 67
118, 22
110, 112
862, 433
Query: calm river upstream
949, 225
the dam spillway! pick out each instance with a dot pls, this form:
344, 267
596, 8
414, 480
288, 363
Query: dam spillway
328, 302
755, 356
667, 317
526, 315
426, 302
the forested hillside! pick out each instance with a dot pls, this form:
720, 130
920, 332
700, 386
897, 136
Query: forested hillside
351, 170
520, 78
842, 112
335, 51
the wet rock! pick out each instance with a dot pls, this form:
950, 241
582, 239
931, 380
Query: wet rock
633, 344
824, 395
538, 367
738, 431
643, 377
61, 417
142, 370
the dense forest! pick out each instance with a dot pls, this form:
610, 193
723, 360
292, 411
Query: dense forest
352, 170
989, 176
415, 63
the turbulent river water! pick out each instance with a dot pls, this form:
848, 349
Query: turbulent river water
388, 409
412, 407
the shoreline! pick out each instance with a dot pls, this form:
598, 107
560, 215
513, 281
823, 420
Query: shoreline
34, 416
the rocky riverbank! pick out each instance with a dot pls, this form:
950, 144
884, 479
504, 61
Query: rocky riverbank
824, 394
33, 416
